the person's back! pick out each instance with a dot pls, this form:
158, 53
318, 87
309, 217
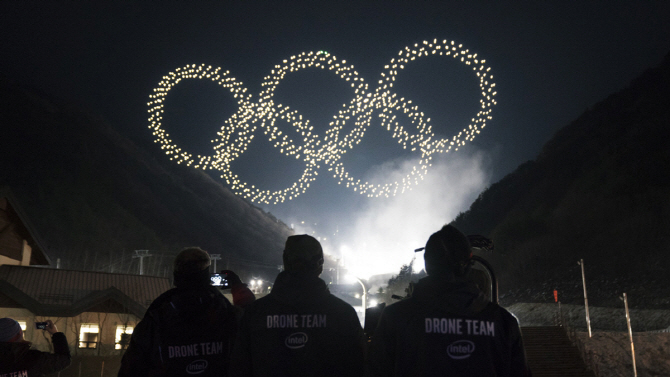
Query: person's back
447, 327
187, 330
299, 329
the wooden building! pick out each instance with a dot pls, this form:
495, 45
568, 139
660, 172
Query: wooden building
19, 242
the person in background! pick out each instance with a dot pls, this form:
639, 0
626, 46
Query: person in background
189, 329
447, 327
299, 329
18, 360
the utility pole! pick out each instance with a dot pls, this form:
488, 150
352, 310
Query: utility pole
630, 331
586, 300
141, 254
215, 257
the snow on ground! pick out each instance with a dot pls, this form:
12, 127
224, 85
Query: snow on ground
612, 354
610, 344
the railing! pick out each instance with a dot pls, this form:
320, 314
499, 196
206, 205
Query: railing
83, 344
587, 355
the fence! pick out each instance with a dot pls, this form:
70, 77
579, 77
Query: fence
92, 366
587, 355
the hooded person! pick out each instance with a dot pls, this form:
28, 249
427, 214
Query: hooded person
187, 330
18, 360
447, 326
300, 328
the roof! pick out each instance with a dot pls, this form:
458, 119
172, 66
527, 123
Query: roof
67, 293
39, 253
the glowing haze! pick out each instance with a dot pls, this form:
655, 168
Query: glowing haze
385, 234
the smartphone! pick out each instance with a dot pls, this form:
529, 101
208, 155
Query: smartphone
220, 280
40, 325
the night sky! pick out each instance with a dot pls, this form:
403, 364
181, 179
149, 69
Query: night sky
550, 62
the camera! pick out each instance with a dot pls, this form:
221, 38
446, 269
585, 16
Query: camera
220, 280
40, 325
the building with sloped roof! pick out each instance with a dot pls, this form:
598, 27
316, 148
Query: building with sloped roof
97, 311
19, 242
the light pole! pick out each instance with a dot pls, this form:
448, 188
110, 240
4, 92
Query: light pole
586, 300
141, 254
365, 293
215, 257
630, 331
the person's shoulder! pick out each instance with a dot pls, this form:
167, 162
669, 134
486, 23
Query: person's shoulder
339, 304
506, 314
401, 306
161, 300
509, 320
260, 304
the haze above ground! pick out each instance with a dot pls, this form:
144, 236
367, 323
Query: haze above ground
550, 62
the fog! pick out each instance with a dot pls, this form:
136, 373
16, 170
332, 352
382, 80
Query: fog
386, 231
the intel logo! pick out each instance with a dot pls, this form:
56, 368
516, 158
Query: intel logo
196, 367
460, 349
296, 340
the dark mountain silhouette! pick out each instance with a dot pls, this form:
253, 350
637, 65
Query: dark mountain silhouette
95, 196
599, 190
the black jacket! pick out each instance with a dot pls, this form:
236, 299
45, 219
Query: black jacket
447, 328
299, 329
184, 332
18, 360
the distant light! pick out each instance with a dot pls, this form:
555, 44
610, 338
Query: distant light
373, 303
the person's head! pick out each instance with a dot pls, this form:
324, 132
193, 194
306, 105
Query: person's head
10, 330
448, 251
191, 267
303, 253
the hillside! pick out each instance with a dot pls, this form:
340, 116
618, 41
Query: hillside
95, 197
599, 190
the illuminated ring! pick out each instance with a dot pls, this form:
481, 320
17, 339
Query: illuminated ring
447, 48
156, 109
420, 141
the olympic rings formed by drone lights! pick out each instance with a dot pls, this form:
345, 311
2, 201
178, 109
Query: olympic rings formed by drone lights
305, 145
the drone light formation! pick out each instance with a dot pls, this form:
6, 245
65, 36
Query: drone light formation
303, 143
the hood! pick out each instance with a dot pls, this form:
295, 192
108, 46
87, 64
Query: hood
185, 302
12, 351
298, 289
457, 296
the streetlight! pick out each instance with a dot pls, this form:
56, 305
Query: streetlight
365, 293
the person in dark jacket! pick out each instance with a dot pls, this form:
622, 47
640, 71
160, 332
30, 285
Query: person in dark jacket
189, 329
299, 329
18, 360
447, 327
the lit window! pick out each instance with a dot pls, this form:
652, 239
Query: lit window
88, 335
22, 324
122, 336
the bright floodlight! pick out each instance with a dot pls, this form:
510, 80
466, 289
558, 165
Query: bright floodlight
350, 278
